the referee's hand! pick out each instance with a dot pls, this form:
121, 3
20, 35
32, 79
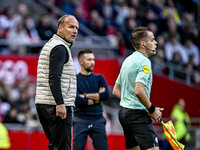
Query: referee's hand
157, 114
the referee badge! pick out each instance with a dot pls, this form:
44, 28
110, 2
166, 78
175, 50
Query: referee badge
146, 69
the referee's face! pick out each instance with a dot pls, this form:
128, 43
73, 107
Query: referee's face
151, 44
88, 62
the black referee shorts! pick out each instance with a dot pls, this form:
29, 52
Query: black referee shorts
138, 129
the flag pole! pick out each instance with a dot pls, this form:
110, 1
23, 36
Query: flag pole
170, 134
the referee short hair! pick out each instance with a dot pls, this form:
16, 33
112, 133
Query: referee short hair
139, 34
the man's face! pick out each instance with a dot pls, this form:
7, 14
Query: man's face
70, 29
151, 44
88, 62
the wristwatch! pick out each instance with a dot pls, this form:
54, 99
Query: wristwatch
84, 95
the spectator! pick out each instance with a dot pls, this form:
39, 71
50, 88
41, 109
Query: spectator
172, 46
79, 14
190, 67
53, 11
159, 65
7, 21
161, 42
184, 7
27, 111
4, 108
94, 15
1, 33
154, 28
192, 49
133, 14
97, 23
137, 6
187, 18
23, 15
112, 36
197, 68
88, 7
5, 142
45, 28
129, 26
6, 72
22, 11
176, 60
196, 79
171, 12
31, 30
181, 121
11, 116
31, 96
3, 48
1, 115
122, 12
172, 28
18, 97
18, 39
100, 27
8, 93
108, 11
0, 11
22, 104
190, 30
156, 6
59, 3
177, 64
69, 6
149, 17
121, 44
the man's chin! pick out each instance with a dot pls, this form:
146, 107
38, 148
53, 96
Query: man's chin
71, 40
89, 70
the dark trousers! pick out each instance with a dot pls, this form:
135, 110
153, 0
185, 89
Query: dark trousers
57, 130
94, 128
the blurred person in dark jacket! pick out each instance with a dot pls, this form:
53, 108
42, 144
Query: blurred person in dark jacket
88, 119
45, 28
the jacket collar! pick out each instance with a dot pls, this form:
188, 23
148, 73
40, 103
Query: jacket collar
56, 36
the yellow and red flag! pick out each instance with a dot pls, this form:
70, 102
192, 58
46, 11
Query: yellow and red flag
170, 133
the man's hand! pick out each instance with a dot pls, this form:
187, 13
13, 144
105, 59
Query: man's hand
81, 95
93, 97
157, 114
90, 102
61, 111
102, 89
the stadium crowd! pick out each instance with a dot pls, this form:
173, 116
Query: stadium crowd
173, 22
